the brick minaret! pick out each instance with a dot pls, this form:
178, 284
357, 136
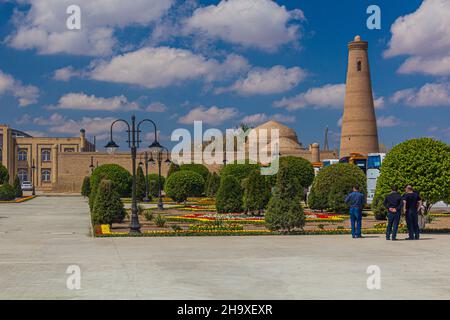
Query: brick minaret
359, 125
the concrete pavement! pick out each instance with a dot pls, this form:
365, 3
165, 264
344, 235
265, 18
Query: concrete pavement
39, 239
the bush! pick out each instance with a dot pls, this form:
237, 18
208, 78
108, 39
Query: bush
153, 184
229, 195
212, 184
4, 175
17, 187
256, 192
119, 177
299, 167
424, 164
378, 208
239, 171
199, 168
86, 187
172, 168
332, 184
160, 221
108, 207
7, 192
140, 184
284, 211
183, 184
148, 215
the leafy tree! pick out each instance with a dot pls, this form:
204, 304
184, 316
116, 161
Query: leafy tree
108, 207
119, 176
423, 163
7, 192
140, 184
153, 184
256, 192
17, 187
183, 184
239, 171
86, 187
284, 211
229, 195
212, 185
199, 168
173, 168
333, 183
299, 167
4, 175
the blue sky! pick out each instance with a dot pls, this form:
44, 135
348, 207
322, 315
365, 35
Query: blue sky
222, 62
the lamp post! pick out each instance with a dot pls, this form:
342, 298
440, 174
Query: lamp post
92, 165
133, 141
159, 156
33, 167
146, 160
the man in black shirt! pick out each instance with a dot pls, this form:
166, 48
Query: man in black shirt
393, 203
411, 205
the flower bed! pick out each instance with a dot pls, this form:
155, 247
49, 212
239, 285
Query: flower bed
213, 227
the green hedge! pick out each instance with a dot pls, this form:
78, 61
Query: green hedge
153, 184
183, 184
108, 207
239, 171
7, 192
199, 168
4, 175
229, 196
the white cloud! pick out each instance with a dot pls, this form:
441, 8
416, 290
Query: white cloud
389, 121
425, 36
327, 96
43, 26
26, 94
267, 81
258, 118
379, 103
213, 115
429, 95
164, 66
65, 74
81, 101
60, 124
254, 23
156, 107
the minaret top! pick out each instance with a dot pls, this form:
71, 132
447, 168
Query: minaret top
357, 38
357, 43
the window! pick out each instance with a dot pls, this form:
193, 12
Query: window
358, 66
45, 175
69, 150
22, 155
23, 175
46, 154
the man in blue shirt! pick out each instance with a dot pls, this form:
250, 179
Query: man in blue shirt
356, 200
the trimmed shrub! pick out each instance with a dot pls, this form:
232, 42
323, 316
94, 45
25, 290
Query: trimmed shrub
86, 187
108, 207
119, 176
378, 209
17, 187
172, 168
424, 164
284, 211
199, 168
256, 192
183, 184
239, 171
212, 185
140, 184
4, 175
7, 192
153, 184
229, 195
299, 167
332, 184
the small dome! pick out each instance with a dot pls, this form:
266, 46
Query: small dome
284, 131
357, 38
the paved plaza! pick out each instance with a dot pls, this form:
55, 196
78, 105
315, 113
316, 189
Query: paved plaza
41, 238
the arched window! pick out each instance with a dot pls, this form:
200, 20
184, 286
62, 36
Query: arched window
22, 155
45, 175
46, 155
358, 66
23, 175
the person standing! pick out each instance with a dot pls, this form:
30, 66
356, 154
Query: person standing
411, 205
356, 200
393, 203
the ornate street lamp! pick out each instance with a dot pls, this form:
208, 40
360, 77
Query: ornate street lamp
158, 150
146, 161
33, 167
92, 165
133, 141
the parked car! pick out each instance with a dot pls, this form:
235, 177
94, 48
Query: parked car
27, 186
